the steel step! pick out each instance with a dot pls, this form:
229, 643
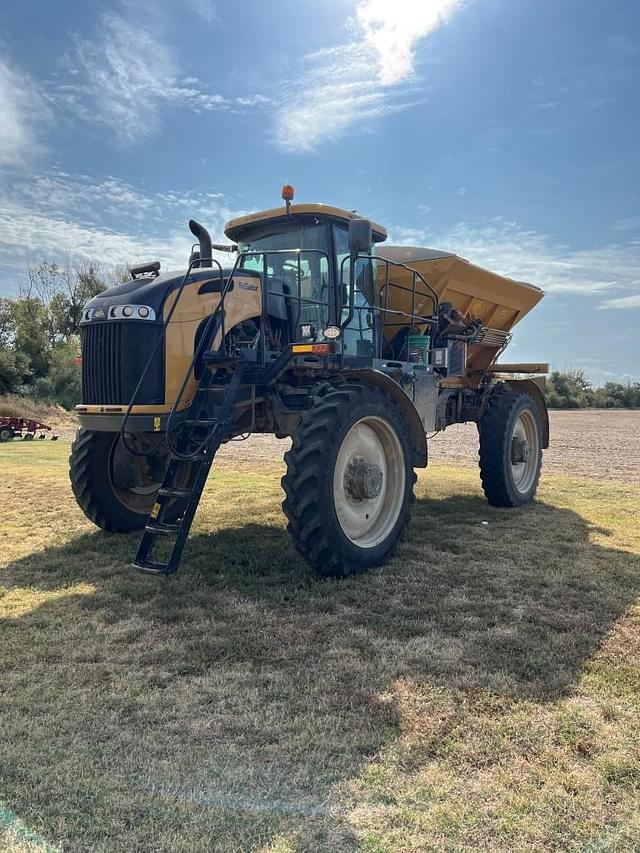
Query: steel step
156, 527
162, 528
171, 492
150, 567
200, 457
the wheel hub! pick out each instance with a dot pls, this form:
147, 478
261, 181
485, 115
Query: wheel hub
363, 479
519, 450
369, 481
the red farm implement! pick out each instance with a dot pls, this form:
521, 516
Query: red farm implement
25, 428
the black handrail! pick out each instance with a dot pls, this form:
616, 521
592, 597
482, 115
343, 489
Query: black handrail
205, 338
298, 298
154, 349
202, 343
415, 318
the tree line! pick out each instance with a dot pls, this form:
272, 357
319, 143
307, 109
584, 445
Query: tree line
39, 330
39, 342
572, 390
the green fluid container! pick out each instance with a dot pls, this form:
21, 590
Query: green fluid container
418, 347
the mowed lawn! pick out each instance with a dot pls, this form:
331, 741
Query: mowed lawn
482, 691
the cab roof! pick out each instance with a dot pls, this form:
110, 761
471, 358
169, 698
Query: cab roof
236, 229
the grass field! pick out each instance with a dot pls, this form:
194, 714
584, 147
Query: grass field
482, 691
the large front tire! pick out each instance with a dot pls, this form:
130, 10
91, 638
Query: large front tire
510, 448
349, 480
115, 489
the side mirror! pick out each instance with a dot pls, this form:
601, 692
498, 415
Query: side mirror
359, 236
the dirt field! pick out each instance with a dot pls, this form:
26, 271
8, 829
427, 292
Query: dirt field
603, 444
599, 443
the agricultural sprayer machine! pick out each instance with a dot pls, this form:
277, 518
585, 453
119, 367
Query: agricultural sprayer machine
311, 333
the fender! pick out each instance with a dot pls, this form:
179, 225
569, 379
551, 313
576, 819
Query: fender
533, 389
405, 404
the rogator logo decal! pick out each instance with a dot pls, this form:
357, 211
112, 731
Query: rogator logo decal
248, 285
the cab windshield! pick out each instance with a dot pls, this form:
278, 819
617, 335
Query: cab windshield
301, 276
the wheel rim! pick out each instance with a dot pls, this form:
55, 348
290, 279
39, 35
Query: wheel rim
139, 497
525, 450
369, 482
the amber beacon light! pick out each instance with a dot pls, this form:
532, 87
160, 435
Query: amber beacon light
288, 192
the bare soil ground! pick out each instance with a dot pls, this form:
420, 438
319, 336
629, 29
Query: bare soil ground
593, 443
598, 443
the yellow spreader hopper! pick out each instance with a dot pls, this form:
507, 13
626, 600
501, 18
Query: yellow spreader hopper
496, 301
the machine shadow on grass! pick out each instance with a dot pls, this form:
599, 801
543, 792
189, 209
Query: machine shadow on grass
520, 593
248, 679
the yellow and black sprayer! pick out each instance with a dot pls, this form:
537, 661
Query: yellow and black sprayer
313, 331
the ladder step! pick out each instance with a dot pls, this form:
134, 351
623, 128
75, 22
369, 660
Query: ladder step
199, 457
161, 528
171, 492
150, 567
206, 451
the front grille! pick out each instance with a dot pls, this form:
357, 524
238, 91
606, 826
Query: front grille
114, 355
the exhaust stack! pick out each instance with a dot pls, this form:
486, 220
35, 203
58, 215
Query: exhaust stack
204, 239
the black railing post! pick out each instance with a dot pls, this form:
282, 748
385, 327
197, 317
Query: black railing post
263, 306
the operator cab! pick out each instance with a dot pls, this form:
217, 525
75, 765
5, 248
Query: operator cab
302, 252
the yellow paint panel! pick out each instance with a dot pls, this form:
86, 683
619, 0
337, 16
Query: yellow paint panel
235, 228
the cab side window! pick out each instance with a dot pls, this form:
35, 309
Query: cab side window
359, 336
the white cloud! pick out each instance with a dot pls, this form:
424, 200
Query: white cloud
392, 28
19, 103
622, 302
629, 223
206, 9
48, 215
123, 78
118, 76
346, 86
332, 97
253, 101
129, 73
507, 248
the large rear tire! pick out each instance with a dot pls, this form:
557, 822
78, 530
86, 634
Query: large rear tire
6, 433
349, 480
115, 489
510, 448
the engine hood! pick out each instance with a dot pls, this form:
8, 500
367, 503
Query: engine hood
149, 291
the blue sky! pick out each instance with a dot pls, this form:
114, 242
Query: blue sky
504, 130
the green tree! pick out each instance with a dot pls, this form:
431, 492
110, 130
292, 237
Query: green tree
39, 330
7, 323
62, 382
568, 390
63, 291
32, 334
14, 370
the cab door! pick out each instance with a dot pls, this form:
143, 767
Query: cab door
361, 337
